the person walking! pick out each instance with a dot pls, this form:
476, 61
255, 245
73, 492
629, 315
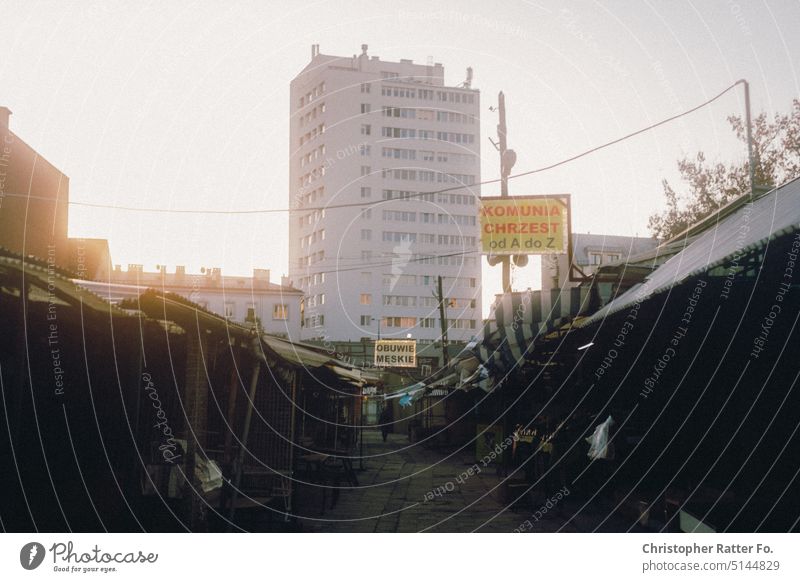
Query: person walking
385, 422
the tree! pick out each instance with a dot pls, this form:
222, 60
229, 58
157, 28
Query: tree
776, 147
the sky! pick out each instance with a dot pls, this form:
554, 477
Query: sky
186, 105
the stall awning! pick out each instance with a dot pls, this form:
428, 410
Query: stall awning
747, 229
522, 318
307, 356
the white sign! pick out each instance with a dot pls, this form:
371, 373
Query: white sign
396, 353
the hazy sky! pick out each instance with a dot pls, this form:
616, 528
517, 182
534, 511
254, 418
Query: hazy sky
186, 105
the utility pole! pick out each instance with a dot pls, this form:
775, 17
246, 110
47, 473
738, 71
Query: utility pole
507, 160
750, 154
443, 321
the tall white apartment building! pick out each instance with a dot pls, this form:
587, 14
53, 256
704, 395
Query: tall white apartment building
401, 150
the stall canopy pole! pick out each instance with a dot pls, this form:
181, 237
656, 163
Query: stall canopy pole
237, 475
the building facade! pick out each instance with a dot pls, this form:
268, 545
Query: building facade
34, 207
245, 300
34, 198
590, 251
401, 150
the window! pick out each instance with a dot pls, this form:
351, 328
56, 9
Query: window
230, 310
366, 255
366, 192
366, 234
427, 322
405, 322
612, 257
366, 129
365, 320
400, 300
280, 311
365, 108
365, 87
365, 299
366, 170
322, 298
364, 150
595, 258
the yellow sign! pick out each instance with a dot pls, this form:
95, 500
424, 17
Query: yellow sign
396, 353
525, 225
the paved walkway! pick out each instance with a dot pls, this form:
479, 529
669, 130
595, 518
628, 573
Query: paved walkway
394, 495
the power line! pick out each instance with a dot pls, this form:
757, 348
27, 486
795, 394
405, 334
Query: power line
418, 194
389, 264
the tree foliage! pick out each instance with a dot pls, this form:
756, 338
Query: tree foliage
709, 186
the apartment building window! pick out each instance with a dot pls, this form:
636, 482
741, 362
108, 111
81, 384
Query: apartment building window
595, 258
322, 298
366, 234
427, 321
427, 155
365, 320
366, 129
398, 237
399, 216
400, 300
366, 170
366, 255
392, 280
365, 108
365, 150
366, 192
612, 258
365, 299
230, 310
365, 87
366, 213
405, 322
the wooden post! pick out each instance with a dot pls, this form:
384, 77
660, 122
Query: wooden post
239, 463
195, 401
443, 322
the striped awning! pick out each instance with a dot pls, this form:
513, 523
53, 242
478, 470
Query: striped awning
521, 319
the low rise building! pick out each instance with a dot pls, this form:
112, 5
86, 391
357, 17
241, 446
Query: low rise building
590, 251
249, 300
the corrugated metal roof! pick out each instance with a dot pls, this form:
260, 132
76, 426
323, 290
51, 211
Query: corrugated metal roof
749, 228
